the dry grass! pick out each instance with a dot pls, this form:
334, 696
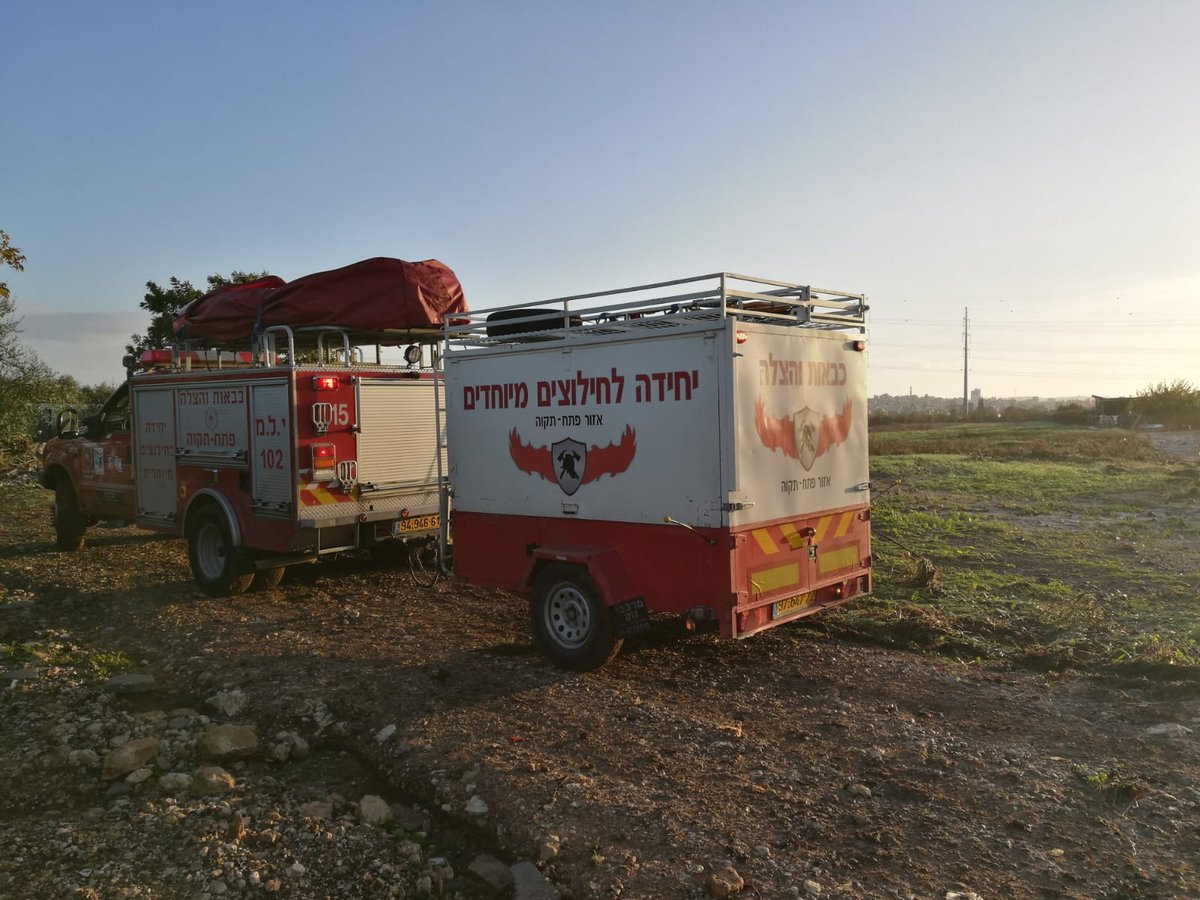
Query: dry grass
1034, 442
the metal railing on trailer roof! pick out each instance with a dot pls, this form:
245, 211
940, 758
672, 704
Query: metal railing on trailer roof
717, 295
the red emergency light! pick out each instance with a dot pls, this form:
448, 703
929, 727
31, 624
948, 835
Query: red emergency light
324, 456
325, 382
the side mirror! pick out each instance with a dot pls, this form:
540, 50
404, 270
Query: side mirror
67, 423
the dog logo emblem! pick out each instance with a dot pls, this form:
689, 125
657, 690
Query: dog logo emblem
570, 462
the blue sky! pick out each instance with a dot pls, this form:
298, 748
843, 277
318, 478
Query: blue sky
1035, 162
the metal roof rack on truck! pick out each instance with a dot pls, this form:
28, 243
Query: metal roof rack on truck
716, 295
330, 345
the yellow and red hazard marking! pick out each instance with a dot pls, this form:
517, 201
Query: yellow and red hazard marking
320, 495
773, 565
774, 538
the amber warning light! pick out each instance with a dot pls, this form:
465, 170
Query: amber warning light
325, 383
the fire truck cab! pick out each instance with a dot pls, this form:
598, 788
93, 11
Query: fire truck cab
316, 441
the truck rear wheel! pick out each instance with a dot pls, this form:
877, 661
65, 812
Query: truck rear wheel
575, 629
216, 564
69, 523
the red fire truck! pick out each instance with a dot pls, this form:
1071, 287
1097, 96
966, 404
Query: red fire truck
696, 447
313, 442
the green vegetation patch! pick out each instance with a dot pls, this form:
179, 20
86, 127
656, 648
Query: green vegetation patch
62, 654
1051, 564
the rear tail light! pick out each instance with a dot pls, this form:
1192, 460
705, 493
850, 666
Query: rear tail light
324, 461
325, 383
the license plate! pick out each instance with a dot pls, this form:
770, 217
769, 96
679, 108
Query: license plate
415, 523
786, 607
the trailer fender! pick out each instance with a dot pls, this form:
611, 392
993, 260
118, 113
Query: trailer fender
207, 495
607, 571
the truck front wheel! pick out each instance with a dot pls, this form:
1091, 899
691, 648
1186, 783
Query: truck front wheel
575, 629
69, 523
216, 564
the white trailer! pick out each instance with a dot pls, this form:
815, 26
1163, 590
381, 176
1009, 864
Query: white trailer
696, 446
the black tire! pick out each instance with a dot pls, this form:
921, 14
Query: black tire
218, 567
266, 579
575, 629
500, 324
69, 521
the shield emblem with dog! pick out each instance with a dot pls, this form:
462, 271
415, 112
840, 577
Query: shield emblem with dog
570, 462
807, 425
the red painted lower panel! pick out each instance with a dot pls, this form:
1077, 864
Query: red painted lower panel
740, 575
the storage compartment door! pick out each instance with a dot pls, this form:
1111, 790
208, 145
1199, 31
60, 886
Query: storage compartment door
397, 439
271, 464
154, 440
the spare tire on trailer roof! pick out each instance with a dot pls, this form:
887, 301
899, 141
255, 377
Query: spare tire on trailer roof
526, 321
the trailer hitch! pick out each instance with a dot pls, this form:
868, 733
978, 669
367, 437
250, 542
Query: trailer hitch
710, 541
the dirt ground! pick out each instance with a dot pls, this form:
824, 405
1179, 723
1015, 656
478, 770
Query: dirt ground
1184, 444
789, 764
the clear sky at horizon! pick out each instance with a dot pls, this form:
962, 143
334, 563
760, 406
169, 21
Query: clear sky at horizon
1035, 162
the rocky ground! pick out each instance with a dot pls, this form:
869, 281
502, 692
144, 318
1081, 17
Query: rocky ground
353, 734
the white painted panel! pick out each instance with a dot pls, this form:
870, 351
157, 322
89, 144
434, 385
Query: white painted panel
154, 444
801, 412
210, 422
623, 431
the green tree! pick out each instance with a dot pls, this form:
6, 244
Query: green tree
9, 256
165, 303
1175, 404
26, 383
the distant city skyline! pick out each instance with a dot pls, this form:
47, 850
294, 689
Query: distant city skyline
1032, 162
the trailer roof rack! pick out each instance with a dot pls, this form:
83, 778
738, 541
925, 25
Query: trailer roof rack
655, 306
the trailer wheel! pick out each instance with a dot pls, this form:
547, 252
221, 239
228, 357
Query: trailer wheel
216, 564
265, 579
575, 629
69, 522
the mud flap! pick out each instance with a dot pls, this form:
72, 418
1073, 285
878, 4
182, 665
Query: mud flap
631, 617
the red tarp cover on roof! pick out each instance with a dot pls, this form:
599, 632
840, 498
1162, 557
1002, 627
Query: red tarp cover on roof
228, 313
372, 295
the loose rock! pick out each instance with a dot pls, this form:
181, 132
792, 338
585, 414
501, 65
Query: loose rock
228, 742
374, 810
229, 703
129, 756
211, 780
491, 870
724, 881
130, 684
530, 884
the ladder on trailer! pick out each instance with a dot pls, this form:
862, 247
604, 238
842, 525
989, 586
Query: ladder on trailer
444, 561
